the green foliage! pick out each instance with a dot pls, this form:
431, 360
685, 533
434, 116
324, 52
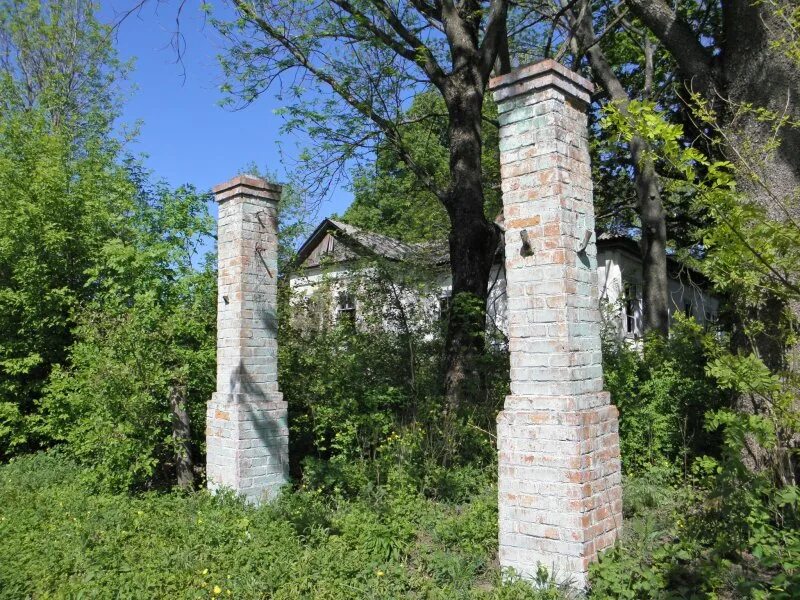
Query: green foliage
63, 193
148, 333
60, 61
58, 209
732, 526
787, 39
365, 398
62, 538
389, 197
747, 253
662, 394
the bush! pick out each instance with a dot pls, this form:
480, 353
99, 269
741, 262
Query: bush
145, 342
365, 399
731, 528
662, 393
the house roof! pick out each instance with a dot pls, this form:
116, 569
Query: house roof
376, 244
437, 253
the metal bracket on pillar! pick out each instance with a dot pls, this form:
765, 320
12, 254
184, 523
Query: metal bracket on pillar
260, 251
527, 249
587, 236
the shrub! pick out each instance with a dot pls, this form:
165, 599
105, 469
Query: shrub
662, 393
732, 528
365, 398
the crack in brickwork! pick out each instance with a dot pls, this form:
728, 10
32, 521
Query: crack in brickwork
560, 500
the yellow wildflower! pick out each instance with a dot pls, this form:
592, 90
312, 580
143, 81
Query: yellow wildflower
217, 590
379, 573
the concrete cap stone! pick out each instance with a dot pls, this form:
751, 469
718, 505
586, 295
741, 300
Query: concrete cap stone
542, 74
247, 185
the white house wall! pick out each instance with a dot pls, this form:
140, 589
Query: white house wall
615, 268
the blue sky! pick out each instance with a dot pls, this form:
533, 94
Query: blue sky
186, 135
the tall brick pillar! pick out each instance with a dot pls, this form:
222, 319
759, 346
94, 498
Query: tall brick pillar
246, 430
560, 500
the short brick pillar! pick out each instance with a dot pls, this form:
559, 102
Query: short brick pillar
560, 500
247, 435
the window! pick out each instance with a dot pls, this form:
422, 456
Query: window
347, 307
445, 301
630, 298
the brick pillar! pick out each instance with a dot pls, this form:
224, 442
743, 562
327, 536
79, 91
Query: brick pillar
246, 430
560, 500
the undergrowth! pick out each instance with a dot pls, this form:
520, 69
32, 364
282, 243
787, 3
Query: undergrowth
64, 539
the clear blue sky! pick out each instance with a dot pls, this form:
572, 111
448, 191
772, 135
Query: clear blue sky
187, 136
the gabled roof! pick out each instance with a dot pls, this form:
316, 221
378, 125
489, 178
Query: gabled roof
437, 253
373, 243
376, 243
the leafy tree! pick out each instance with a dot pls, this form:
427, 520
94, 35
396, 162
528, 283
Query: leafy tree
131, 400
57, 210
62, 193
389, 197
56, 57
372, 56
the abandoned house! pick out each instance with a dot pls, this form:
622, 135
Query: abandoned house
336, 252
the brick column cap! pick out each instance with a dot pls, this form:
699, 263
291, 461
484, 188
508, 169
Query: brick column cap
545, 73
247, 185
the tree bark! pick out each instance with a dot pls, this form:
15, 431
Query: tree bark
650, 207
748, 71
181, 437
473, 241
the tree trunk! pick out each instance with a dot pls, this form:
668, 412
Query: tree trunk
650, 207
181, 437
653, 219
749, 72
473, 241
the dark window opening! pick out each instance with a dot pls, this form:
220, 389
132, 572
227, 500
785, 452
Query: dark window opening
445, 301
630, 297
347, 307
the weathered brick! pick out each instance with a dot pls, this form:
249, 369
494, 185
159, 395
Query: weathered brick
246, 428
559, 468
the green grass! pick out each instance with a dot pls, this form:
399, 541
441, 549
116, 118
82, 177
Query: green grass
62, 539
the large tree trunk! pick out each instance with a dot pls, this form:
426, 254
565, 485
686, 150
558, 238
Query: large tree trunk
749, 74
653, 219
473, 241
650, 207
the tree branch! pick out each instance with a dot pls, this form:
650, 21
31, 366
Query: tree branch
495, 32
385, 125
695, 61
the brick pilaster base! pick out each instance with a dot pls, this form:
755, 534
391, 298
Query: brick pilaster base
247, 441
560, 499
